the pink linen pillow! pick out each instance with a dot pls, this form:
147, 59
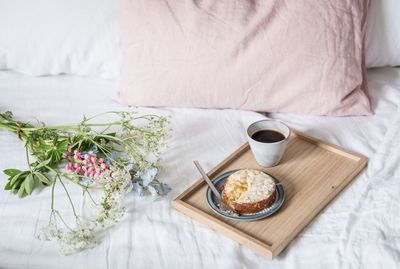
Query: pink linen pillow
273, 56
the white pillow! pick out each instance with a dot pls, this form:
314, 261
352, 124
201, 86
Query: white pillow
48, 37
383, 33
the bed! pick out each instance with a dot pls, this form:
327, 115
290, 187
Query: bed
359, 229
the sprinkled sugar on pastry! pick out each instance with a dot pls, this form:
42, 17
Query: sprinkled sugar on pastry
249, 191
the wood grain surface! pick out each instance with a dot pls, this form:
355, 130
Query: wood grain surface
312, 173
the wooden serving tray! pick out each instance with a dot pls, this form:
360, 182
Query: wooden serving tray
312, 173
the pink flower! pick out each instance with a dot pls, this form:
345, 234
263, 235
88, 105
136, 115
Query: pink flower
78, 170
93, 159
76, 165
69, 166
91, 169
86, 164
67, 154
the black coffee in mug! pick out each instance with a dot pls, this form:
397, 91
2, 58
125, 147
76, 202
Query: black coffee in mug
268, 136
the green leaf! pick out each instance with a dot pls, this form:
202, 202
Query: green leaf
43, 178
28, 184
16, 186
11, 172
21, 192
111, 134
17, 177
63, 145
42, 164
55, 156
7, 115
7, 187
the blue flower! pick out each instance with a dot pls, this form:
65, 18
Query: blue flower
129, 187
111, 157
134, 169
93, 150
137, 189
162, 189
148, 175
85, 181
152, 190
146, 182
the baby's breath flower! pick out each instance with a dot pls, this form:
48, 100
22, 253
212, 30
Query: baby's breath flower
108, 163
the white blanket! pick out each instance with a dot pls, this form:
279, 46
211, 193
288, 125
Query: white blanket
359, 229
370, 236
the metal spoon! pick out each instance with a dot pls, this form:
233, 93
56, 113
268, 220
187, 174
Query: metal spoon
222, 205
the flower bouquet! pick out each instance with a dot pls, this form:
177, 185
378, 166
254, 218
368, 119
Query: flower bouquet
108, 158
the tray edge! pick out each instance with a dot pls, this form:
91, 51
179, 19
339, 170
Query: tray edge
270, 251
278, 247
219, 226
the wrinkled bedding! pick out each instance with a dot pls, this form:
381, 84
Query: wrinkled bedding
359, 229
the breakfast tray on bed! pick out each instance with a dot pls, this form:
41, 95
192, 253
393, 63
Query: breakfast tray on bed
312, 173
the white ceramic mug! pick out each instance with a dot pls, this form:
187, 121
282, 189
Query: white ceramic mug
268, 154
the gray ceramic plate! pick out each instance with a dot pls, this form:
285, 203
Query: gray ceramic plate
266, 212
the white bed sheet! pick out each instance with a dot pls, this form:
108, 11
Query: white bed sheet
359, 229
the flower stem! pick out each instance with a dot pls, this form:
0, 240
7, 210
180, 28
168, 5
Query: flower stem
27, 157
52, 199
52, 194
101, 114
61, 218
72, 126
90, 196
69, 197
